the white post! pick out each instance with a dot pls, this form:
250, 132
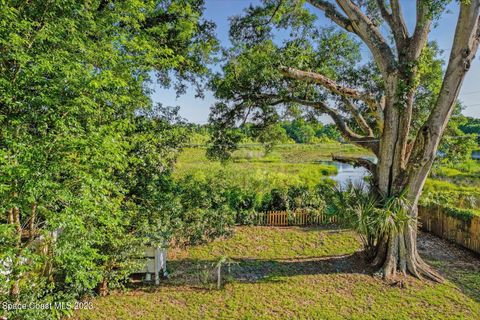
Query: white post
157, 265
163, 261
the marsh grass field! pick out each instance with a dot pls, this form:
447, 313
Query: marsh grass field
307, 164
295, 163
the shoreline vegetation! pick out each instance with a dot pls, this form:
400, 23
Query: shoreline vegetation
290, 159
449, 186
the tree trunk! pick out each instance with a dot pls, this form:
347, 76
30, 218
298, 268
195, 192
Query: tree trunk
102, 288
403, 164
14, 218
397, 254
31, 223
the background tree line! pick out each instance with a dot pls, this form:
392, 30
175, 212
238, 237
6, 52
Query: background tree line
461, 138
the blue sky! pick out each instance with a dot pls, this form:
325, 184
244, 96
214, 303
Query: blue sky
197, 110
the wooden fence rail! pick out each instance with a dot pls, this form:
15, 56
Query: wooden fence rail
294, 218
463, 232
432, 219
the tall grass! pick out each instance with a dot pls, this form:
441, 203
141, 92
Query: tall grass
253, 169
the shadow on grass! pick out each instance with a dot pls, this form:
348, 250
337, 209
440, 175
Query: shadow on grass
457, 265
325, 228
330, 228
202, 273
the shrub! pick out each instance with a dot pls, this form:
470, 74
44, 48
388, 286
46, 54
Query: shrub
373, 218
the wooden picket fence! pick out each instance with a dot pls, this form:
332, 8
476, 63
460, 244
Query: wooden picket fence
294, 218
465, 233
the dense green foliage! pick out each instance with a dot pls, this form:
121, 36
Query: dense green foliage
292, 130
87, 161
455, 185
471, 126
457, 145
252, 183
302, 131
370, 216
85, 158
462, 214
254, 87
251, 85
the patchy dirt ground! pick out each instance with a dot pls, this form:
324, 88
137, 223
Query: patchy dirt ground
455, 263
434, 248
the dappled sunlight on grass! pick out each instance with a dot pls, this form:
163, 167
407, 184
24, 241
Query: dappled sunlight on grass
281, 273
275, 243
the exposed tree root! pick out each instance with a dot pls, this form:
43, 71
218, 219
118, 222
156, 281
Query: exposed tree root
401, 257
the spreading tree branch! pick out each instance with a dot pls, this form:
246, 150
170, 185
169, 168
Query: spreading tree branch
358, 117
336, 88
398, 16
356, 162
355, 21
370, 35
333, 14
422, 28
328, 84
367, 142
395, 20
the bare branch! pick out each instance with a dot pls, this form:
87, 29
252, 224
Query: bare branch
420, 34
465, 45
370, 142
357, 22
277, 7
334, 87
367, 142
356, 162
370, 35
398, 16
387, 16
333, 14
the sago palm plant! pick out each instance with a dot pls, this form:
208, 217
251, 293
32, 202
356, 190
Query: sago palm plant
372, 217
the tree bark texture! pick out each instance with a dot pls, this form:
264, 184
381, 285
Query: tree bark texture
403, 162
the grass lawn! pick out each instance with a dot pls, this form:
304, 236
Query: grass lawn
298, 273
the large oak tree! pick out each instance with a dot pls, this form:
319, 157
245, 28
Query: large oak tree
396, 104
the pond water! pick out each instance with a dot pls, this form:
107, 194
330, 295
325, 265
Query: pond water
476, 155
347, 174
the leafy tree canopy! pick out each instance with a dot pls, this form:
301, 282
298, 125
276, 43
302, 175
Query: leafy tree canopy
84, 156
252, 86
395, 102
